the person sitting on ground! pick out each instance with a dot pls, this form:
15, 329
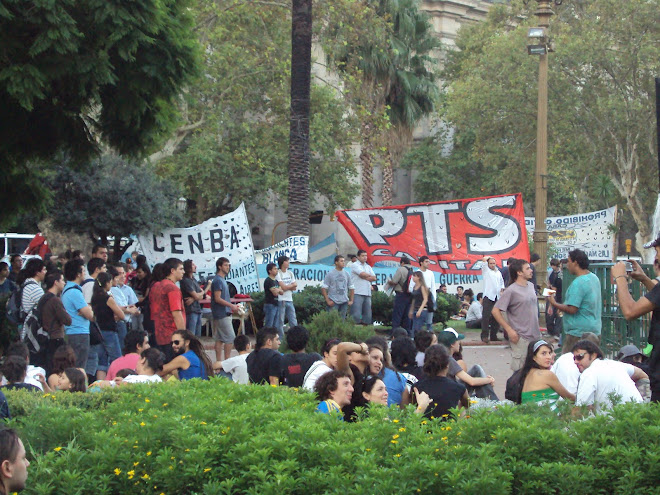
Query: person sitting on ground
423, 340
32, 373
335, 391
353, 358
398, 392
63, 358
539, 383
565, 369
135, 342
445, 393
601, 379
474, 312
72, 380
13, 462
191, 360
477, 381
264, 365
14, 370
403, 352
296, 363
236, 367
328, 363
150, 363
630, 354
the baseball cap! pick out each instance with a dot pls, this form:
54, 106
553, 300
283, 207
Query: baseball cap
449, 336
653, 244
627, 351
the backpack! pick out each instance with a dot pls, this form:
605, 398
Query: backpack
34, 335
406, 287
15, 313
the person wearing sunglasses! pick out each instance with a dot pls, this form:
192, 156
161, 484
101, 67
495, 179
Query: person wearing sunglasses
191, 360
601, 379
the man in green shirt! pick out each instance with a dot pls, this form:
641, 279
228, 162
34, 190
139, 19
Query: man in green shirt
582, 306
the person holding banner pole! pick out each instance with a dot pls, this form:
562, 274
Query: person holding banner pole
493, 287
362, 275
288, 284
338, 289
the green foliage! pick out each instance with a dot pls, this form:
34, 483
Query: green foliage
446, 305
116, 198
308, 302
381, 307
218, 437
328, 325
77, 74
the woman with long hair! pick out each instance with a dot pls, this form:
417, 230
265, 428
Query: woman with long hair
419, 304
539, 384
72, 380
140, 284
107, 313
191, 360
63, 358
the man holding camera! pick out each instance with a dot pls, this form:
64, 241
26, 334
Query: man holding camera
582, 305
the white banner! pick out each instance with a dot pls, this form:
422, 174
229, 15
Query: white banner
295, 247
589, 232
228, 236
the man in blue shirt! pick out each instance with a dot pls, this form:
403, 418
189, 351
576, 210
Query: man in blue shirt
221, 309
77, 334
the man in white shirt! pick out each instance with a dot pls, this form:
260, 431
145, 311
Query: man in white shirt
601, 380
236, 367
474, 312
362, 276
567, 372
493, 287
288, 284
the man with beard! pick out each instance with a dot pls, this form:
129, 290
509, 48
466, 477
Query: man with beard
190, 361
519, 302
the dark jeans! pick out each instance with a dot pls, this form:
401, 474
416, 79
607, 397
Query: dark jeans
482, 391
488, 323
554, 323
473, 323
400, 311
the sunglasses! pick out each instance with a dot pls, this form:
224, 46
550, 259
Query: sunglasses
176, 342
579, 357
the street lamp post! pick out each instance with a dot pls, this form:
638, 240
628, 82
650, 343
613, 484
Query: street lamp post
541, 47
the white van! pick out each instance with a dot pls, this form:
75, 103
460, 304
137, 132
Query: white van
11, 243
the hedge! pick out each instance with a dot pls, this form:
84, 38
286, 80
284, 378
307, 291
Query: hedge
217, 437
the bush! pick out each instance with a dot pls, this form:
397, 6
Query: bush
381, 307
446, 306
217, 437
308, 303
329, 325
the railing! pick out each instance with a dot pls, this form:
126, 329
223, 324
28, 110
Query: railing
616, 331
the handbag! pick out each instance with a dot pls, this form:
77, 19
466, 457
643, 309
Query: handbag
95, 335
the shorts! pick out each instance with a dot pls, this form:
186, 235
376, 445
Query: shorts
223, 330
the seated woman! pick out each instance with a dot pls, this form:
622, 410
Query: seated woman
335, 391
381, 364
63, 358
374, 391
444, 392
539, 384
319, 368
423, 340
72, 380
191, 360
151, 361
14, 370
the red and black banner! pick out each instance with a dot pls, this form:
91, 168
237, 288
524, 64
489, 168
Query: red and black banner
453, 234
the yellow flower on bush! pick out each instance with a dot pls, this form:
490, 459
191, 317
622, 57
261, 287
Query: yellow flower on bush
395, 421
147, 400
397, 455
395, 436
149, 453
206, 470
394, 441
57, 449
117, 471
143, 423
145, 476
202, 422
136, 464
444, 439
165, 404
402, 429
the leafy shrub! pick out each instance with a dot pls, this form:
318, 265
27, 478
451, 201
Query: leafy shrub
329, 325
217, 437
308, 303
446, 306
381, 307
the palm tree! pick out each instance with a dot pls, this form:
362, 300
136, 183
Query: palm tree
301, 63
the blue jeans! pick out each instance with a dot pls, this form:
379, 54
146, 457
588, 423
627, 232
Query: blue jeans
108, 350
429, 320
194, 323
361, 309
271, 315
286, 310
419, 322
122, 329
400, 311
342, 308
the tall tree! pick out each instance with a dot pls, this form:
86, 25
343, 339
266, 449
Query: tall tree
301, 70
78, 74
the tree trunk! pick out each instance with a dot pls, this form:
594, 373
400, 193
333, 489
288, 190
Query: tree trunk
388, 180
367, 176
301, 66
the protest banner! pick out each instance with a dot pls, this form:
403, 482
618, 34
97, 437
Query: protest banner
226, 236
591, 232
455, 235
295, 247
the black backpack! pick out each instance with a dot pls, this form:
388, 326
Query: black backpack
514, 387
34, 335
406, 287
15, 313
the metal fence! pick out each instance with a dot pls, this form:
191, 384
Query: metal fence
616, 331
